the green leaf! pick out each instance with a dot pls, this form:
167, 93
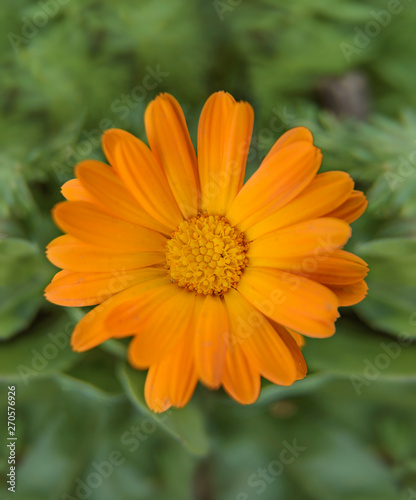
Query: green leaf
23, 275
17, 311
390, 309
95, 374
356, 350
185, 424
116, 347
390, 303
342, 467
309, 384
389, 248
15, 195
40, 352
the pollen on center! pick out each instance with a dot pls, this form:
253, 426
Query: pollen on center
206, 255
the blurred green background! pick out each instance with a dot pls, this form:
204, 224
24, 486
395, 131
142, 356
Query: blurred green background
70, 69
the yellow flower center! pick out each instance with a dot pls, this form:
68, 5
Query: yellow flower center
206, 255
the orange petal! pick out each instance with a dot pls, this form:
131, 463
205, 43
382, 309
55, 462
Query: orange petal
293, 341
108, 191
211, 340
349, 295
143, 175
327, 191
70, 253
298, 338
224, 134
241, 378
337, 268
133, 316
296, 134
91, 330
73, 190
315, 239
280, 178
292, 301
172, 380
211, 146
352, 208
183, 375
84, 221
158, 319
171, 144
156, 388
260, 341
60, 275
237, 143
75, 289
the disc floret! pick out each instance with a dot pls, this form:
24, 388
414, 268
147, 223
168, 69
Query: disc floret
206, 255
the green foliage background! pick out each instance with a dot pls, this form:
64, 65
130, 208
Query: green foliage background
63, 82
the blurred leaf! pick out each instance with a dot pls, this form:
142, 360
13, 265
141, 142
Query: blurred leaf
40, 352
355, 350
23, 275
340, 466
61, 439
15, 196
17, 260
309, 384
390, 248
95, 373
117, 347
185, 424
391, 300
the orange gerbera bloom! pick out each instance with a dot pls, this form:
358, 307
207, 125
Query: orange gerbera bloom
215, 281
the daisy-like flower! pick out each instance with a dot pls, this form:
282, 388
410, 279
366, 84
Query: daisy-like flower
215, 281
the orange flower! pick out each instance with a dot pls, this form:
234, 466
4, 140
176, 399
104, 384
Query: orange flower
215, 281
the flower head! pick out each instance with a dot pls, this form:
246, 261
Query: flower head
215, 281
